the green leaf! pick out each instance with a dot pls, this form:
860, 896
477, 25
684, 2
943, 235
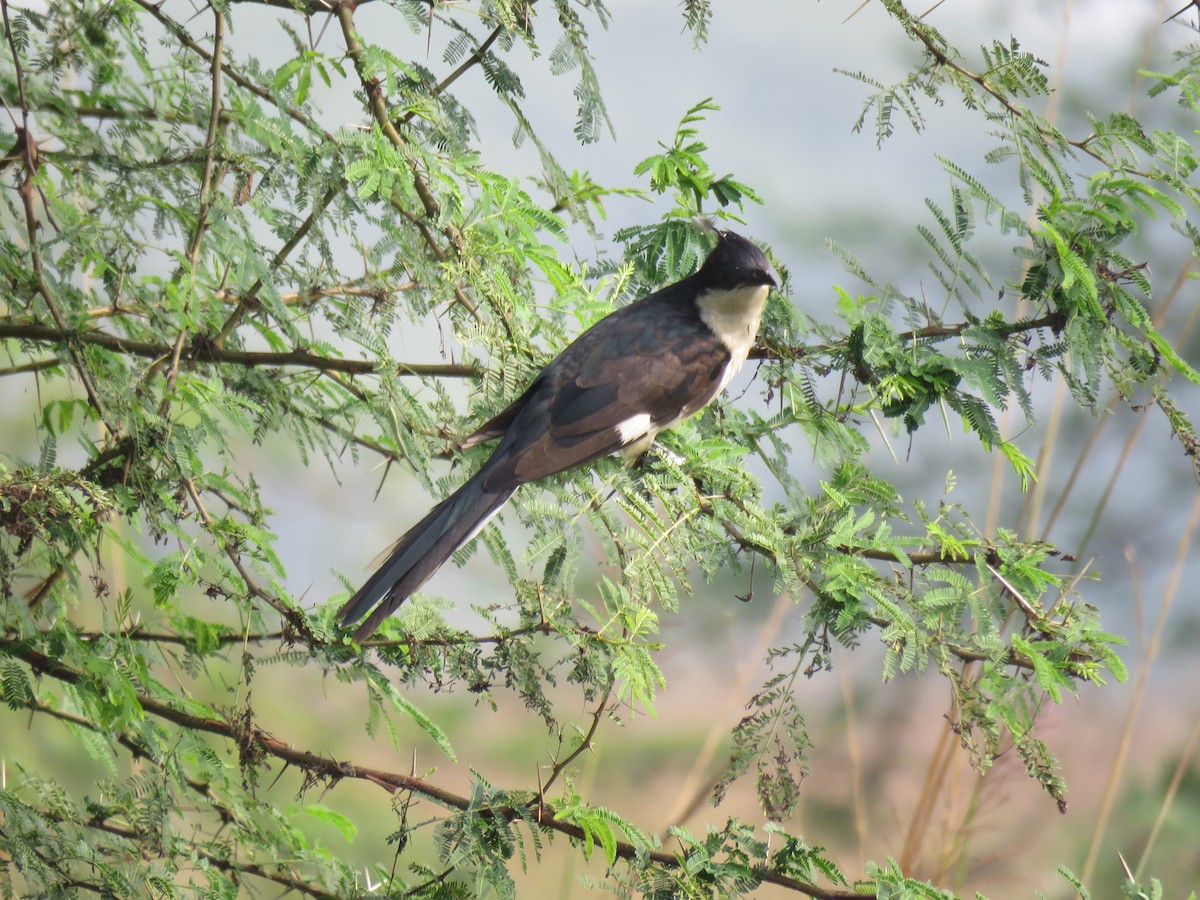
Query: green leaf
330, 817
402, 704
1021, 464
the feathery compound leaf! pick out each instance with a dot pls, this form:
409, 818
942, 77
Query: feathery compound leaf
400, 703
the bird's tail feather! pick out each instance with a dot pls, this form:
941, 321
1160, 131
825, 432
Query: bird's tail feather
421, 552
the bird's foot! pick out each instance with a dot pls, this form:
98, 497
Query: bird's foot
661, 452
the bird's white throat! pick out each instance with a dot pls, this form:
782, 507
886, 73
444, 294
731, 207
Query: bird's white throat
733, 315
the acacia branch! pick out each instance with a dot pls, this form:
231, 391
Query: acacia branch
137, 633
225, 865
472, 60
28, 150
208, 353
585, 743
250, 298
314, 294
139, 751
37, 365
306, 297
54, 862
331, 770
913, 560
382, 115
942, 58
383, 118
210, 142
291, 615
1055, 321
379, 110
202, 353
181, 35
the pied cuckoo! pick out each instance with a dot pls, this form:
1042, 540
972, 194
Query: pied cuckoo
637, 371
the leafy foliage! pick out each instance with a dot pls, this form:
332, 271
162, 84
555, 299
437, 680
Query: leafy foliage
207, 265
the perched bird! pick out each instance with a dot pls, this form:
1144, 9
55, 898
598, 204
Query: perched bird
637, 371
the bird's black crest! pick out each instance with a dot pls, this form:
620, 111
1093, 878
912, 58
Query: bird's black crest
736, 262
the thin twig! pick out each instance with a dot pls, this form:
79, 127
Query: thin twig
290, 615
585, 743
210, 142
1183, 767
37, 365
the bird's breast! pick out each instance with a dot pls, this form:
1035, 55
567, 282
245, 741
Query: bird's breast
733, 316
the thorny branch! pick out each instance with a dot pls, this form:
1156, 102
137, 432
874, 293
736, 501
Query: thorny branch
207, 353
326, 769
29, 144
585, 743
383, 118
202, 789
304, 359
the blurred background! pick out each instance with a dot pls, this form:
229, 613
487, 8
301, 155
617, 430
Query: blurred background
1113, 488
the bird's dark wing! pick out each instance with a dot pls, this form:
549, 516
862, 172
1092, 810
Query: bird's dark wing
652, 360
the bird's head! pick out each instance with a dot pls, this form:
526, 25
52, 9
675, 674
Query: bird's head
736, 263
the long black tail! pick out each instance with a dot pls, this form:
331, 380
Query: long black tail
421, 552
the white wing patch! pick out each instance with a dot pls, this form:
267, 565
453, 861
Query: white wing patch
633, 428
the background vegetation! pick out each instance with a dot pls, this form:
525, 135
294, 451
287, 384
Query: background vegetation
213, 246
